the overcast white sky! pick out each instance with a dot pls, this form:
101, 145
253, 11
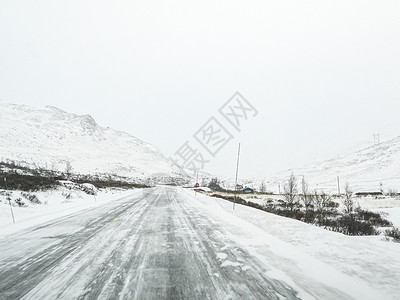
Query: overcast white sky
324, 75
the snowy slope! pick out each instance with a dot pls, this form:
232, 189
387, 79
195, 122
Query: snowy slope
49, 138
364, 170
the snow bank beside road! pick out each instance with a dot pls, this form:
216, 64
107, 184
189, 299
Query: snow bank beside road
54, 205
320, 263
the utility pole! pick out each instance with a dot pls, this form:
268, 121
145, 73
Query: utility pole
9, 200
279, 188
236, 177
338, 185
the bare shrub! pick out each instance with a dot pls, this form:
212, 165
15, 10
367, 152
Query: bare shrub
373, 218
349, 224
393, 233
32, 198
214, 184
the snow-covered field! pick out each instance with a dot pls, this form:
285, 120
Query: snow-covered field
390, 206
393, 215
362, 267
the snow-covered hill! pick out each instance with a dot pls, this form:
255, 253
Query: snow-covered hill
51, 138
369, 169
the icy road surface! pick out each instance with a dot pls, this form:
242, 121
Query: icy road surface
154, 245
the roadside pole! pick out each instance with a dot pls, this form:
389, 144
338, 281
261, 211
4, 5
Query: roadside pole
236, 177
197, 181
9, 200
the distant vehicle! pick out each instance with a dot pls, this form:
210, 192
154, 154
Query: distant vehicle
248, 190
196, 185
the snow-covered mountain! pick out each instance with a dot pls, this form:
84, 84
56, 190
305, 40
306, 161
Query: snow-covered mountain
368, 169
51, 138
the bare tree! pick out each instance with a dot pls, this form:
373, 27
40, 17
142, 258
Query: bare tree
322, 202
307, 199
204, 182
348, 201
262, 187
392, 192
68, 169
290, 189
318, 201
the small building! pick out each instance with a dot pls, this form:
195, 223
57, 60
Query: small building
248, 190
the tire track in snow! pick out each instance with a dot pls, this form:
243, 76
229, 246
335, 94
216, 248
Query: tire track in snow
154, 246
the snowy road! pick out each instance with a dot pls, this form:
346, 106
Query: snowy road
155, 245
